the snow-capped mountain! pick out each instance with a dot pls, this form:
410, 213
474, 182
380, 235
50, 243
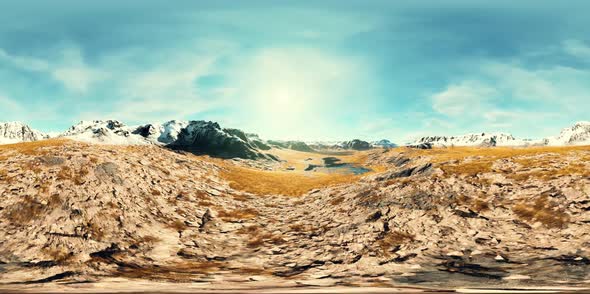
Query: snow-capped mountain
578, 134
356, 144
194, 136
384, 143
209, 138
171, 132
481, 139
165, 133
111, 132
16, 132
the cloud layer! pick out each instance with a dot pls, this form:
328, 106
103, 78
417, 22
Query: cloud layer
301, 69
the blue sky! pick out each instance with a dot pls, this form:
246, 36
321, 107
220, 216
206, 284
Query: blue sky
300, 69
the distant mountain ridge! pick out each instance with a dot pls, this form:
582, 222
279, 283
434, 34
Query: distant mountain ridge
384, 143
578, 134
481, 139
210, 137
16, 132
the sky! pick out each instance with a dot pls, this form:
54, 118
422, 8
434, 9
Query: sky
305, 70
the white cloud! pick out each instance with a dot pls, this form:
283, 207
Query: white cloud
463, 98
509, 97
167, 90
577, 48
8, 105
67, 67
26, 63
73, 71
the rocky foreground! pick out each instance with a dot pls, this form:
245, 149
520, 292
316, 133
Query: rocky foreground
88, 217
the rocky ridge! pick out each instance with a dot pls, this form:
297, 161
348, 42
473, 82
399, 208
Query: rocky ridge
194, 136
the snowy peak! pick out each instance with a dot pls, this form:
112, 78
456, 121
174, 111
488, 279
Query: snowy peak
480, 139
384, 143
578, 134
16, 132
165, 133
112, 132
356, 144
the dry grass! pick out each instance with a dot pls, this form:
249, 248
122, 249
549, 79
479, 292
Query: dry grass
29, 209
337, 200
478, 204
179, 272
287, 183
257, 237
177, 225
96, 231
392, 240
77, 176
206, 203
33, 165
482, 160
542, 170
34, 148
58, 254
469, 168
3, 175
282, 183
542, 210
237, 214
65, 173
440, 155
80, 175
148, 239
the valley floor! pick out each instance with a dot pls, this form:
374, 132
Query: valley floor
92, 217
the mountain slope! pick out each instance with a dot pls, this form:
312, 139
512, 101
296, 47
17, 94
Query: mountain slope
209, 138
578, 134
110, 132
16, 132
165, 133
384, 143
356, 144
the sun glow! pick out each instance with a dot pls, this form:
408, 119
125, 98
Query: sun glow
295, 90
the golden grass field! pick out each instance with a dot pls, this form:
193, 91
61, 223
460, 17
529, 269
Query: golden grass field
294, 183
535, 160
288, 183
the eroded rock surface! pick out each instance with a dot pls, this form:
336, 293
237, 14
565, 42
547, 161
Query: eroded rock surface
81, 213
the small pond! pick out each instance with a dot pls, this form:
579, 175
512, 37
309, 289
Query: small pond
335, 165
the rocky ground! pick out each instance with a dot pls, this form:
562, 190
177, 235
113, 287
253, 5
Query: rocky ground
88, 217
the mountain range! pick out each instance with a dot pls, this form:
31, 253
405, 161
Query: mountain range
211, 138
578, 134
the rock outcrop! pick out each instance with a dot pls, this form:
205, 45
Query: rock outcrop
205, 137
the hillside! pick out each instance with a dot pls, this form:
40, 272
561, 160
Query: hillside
441, 218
